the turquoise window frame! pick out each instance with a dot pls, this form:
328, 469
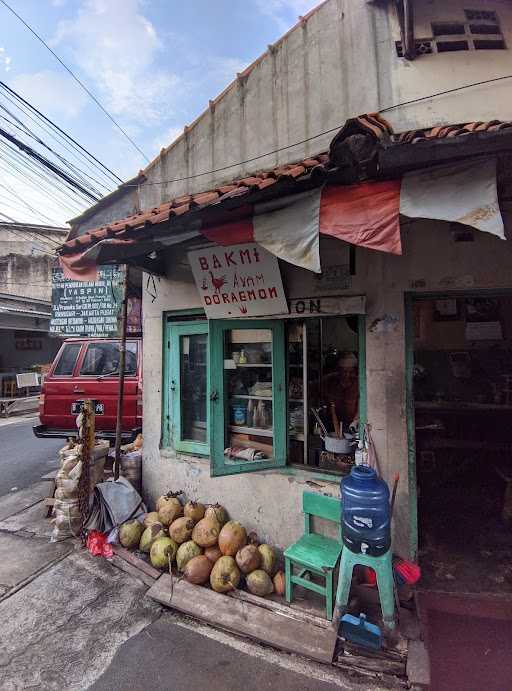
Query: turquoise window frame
172, 390
219, 404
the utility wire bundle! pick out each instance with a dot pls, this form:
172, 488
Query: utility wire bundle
37, 155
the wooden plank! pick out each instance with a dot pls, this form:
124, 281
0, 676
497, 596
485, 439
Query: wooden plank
280, 608
361, 662
245, 618
135, 561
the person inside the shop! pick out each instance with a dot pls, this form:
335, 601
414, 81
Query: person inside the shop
341, 387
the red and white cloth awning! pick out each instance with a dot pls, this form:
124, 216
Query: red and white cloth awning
366, 214
289, 227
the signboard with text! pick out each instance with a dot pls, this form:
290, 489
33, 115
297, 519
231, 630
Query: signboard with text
238, 281
87, 308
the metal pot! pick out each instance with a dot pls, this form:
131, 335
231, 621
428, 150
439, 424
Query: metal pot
334, 444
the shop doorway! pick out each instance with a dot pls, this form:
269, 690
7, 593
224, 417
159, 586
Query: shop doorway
460, 426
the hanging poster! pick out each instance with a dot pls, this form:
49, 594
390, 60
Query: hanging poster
238, 281
87, 308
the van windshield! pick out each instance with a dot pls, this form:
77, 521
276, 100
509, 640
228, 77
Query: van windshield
102, 359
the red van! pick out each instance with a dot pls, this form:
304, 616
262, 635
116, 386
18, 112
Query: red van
88, 368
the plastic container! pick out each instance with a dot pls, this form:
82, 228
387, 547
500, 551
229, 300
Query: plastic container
239, 414
366, 516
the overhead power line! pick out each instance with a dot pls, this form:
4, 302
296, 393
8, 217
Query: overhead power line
47, 163
16, 99
77, 80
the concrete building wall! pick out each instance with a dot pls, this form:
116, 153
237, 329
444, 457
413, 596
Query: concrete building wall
25, 261
339, 63
431, 261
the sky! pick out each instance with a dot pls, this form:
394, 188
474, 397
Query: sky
153, 64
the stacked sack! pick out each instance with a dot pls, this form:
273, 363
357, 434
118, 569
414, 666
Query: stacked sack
66, 510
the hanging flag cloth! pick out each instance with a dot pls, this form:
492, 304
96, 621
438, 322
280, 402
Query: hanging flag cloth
462, 192
366, 214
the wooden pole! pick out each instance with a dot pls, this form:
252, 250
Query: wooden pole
122, 361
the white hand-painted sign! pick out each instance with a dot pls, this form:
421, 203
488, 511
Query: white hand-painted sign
238, 281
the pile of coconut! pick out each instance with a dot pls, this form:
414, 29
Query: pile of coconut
205, 546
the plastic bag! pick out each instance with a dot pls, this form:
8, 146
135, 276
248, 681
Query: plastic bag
98, 546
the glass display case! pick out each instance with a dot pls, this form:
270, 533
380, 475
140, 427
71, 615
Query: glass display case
248, 377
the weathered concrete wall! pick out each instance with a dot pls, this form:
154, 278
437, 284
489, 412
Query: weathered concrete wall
25, 261
432, 261
26, 275
340, 63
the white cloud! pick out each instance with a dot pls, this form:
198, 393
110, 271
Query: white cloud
5, 60
116, 46
54, 93
280, 10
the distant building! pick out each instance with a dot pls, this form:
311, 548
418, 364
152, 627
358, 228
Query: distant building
26, 262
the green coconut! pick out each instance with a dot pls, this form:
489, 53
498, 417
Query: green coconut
130, 534
186, 552
150, 518
225, 575
162, 553
181, 529
206, 532
259, 583
217, 512
152, 533
170, 509
268, 559
194, 510
248, 559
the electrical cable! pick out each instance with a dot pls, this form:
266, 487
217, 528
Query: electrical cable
78, 171
54, 130
53, 192
57, 185
320, 134
25, 203
77, 80
46, 162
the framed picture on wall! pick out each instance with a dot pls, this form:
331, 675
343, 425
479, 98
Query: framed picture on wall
447, 309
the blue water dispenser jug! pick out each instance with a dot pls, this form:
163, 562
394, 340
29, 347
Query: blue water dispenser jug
366, 516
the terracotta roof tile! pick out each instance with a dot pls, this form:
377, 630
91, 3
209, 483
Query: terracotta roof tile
179, 206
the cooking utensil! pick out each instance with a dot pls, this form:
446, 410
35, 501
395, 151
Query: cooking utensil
334, 444
335, 421
319, 421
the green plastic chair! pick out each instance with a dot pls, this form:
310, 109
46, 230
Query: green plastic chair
315, 553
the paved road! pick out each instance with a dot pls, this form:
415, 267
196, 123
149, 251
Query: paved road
23, 457
167, 656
